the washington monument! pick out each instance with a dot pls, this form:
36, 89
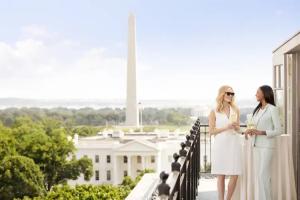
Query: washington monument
132, 112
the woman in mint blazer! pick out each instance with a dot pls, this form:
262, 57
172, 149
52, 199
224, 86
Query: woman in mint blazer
267, 122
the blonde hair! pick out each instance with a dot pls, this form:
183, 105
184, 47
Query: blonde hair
220, 99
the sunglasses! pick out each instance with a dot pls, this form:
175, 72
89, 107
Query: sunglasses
229, 93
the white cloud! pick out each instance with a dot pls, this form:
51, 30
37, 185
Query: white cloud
45, 65
38, 66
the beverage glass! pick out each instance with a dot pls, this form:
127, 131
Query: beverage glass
233, 117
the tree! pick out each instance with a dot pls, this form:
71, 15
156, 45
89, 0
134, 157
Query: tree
93, 192
7, 142
58, 166
85, 130
20, 176
127, 181
93, 117
47, 144
73, 168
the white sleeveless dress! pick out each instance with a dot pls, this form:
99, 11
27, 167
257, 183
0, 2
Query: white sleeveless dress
226, 149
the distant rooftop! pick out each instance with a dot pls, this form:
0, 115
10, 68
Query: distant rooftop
287, 41
109, 140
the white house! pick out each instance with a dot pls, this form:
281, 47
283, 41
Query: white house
116, 154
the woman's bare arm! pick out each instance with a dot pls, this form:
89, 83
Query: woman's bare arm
212, 125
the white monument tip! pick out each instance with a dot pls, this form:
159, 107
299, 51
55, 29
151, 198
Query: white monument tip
131, 15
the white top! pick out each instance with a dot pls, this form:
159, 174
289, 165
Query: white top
259, 113
226, 148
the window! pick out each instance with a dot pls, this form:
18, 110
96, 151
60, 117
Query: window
152, 159
139, 159
125, 159
278, 76
97, 175
108, 158
96, 158
125, 173
108, 175
170, 158
279, 79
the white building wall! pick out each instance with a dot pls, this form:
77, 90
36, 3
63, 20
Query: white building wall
162, 155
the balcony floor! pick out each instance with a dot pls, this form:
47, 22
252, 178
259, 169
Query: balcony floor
207, 189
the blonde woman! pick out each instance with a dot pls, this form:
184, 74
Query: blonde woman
224, 125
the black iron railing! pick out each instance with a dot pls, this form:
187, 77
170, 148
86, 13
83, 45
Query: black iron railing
182, 182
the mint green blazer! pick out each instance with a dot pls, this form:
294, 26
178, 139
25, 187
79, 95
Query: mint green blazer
268, 121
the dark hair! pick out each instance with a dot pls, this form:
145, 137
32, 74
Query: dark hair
268, 95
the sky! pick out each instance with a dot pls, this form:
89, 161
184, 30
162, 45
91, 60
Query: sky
58, 49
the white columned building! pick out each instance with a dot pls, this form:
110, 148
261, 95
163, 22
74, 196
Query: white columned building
115, 156
132, 112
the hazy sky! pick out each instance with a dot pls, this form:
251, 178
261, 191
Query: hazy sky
185, 49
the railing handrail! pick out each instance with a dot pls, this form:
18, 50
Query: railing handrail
147, 184
182, 182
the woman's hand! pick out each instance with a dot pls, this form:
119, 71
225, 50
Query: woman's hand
254, 132
233, 125
236, 126
230, 126
257, 132
248, 132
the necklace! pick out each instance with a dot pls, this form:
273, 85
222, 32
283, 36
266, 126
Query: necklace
226, 111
